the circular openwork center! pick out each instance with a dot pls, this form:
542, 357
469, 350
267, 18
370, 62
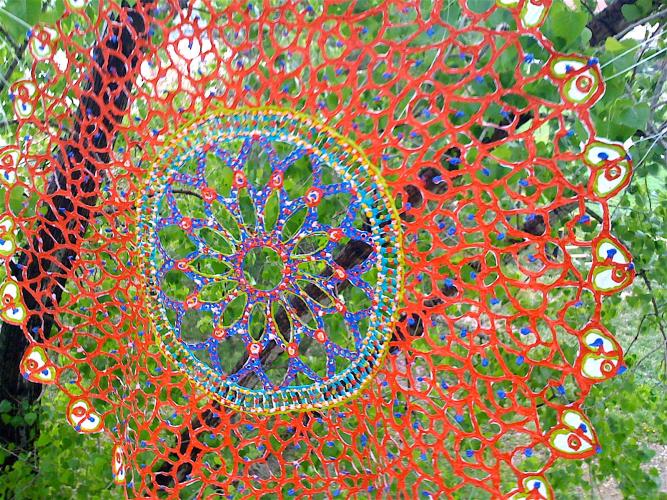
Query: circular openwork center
273, 254
263, 268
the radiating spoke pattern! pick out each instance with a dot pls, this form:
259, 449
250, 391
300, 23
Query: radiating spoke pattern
251, 222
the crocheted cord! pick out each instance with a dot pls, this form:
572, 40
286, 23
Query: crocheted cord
315, 248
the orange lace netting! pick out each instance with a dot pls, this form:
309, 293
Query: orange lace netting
315, 248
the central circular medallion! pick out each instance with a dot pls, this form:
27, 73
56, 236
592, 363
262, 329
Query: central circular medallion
273, 260
263, 268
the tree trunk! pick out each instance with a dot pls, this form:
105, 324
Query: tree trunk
110, 77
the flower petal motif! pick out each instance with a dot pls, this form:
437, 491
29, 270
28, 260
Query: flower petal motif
118, 464
7, 237
83, 417
612, 268
41, 42
610, 165
13, 309
9, 157
533, 488
37, 367
534, 12
581, 80
574, 437
23, 95
600, 356
76, 4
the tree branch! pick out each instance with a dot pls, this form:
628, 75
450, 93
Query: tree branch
10, 39
656, 310
18, 57
611, 21
656, 15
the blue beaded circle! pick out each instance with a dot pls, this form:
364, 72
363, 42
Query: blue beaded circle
268, 236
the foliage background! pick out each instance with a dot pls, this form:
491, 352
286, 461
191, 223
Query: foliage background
628, 412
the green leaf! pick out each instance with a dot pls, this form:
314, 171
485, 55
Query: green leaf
634, 116
565, 24
51, 15
614, 46
19, 16
637, 10
5, 406
43, 439
631, 12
